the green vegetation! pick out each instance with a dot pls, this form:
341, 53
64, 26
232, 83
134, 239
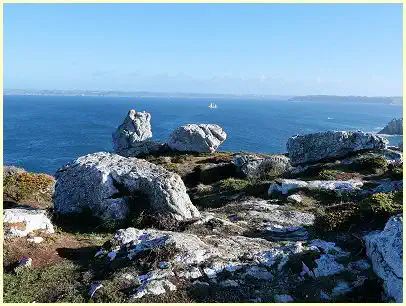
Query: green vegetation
331, 174
328, 174
47, 284
374, 210
337, 218
233, 184
370, 163
395, 172
381, 204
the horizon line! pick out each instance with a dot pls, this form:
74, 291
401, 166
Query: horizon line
189, 93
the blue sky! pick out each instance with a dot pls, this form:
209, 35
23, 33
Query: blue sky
280, 49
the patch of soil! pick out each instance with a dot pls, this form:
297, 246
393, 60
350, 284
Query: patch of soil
44, 253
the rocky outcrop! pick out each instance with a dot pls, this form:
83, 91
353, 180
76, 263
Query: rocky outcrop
284, 186
110, 186
263, 217
19, 222
255, 165
385, 249
133, 137
332, 144
394, 127
197, 138
229, 261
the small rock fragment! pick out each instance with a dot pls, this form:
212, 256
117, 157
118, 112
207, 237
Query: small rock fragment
24, 262
35, 239
93, 288
164, 265
283, 298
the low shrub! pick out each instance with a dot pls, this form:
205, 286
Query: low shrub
338, 218
328, 174
29, 188
370, 163
380, 204
232, 184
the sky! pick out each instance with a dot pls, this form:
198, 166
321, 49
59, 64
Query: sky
264, 49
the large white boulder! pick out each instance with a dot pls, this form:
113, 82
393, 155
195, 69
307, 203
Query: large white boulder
19, 222
385, 249
205, 138
109, 184
331, 144
133, 136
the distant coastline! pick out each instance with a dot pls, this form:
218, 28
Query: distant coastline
148, 94
136, 94
327, 98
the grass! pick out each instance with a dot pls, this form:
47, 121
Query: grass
55, 283
233, 184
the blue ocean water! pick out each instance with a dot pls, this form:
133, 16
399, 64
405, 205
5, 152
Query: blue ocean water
43, 133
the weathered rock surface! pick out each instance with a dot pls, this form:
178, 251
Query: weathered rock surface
197, 138
255, 165
19, 222
230, 261
284, 186
385, 186
385, 249
142, 148
295, 198
394, 127
110, 185
332, 144
133, 136
283, 298
262, 217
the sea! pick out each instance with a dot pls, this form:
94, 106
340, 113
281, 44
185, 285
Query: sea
43, 133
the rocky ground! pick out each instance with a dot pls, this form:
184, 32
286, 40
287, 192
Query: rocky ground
207, 227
